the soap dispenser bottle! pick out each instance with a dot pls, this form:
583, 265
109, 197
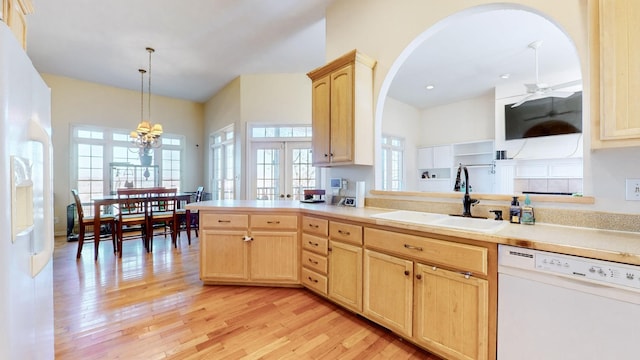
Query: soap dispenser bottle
515, 211
527, 212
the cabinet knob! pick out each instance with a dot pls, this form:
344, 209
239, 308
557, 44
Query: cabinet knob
419, 277
407, 272
326, 155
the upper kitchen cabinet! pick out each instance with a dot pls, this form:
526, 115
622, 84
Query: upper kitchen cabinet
14, 14
342, 100
615, 75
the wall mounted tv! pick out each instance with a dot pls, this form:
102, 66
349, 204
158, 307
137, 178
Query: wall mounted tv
544, 117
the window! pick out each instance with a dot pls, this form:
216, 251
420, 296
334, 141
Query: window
171, 159
95, 148
223, 162
281, 162
392, 163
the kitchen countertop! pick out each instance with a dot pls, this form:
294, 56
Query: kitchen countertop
609, 245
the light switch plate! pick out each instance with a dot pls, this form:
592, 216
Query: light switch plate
633, 189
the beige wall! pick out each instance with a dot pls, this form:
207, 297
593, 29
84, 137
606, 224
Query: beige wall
81, 102
257, 98
383, 30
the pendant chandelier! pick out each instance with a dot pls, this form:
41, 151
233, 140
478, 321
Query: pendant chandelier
146, 136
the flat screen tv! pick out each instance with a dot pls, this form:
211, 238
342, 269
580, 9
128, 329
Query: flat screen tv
544, 117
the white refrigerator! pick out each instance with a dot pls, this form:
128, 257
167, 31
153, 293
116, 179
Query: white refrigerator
26, 221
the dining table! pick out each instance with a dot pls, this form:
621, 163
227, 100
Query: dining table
106, 200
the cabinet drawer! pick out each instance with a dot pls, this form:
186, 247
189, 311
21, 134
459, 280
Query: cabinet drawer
315, 226
315, 244
315, 262
432, 251
345, 232
274, 222
314, 281
225, 221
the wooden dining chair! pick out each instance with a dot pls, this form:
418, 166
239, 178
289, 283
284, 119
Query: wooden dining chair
85, 221
162, 204
190, 218
132, 216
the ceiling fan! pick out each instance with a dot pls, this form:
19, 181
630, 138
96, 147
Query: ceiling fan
541, 90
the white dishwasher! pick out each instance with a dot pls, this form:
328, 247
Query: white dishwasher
553, 306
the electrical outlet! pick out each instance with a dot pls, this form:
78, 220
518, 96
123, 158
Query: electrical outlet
633, 189
56, 220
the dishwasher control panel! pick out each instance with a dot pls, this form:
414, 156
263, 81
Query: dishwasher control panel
598, 271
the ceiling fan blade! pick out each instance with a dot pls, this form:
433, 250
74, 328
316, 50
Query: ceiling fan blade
567, 84
560, 94
523, 100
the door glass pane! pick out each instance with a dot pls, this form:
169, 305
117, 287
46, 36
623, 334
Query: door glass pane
303, 175
267, 174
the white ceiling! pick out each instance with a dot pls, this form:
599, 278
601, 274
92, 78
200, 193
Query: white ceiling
201, 45
465, 57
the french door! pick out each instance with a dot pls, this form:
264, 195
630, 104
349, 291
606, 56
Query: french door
281, 170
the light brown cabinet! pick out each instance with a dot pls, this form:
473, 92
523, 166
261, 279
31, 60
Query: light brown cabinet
615, 75
388, 291
315, 247
342, 106
254, 248
14, 15
445, 311
345, 265
451, 313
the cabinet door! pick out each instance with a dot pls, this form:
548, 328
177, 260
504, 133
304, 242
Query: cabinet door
442, 156
451, 313
425, 158
388, 291
345, 274
620, 78
342, 121
321, 108
223, 255
274, 256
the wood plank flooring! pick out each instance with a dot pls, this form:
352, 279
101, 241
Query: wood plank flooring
153, 306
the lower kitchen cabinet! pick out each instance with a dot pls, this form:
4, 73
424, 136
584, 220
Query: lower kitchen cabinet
345, 274
265, 252
388, 291
224, 255
274, 256
451, 313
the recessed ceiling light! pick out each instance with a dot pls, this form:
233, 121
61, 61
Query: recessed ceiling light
505, 76
429, 87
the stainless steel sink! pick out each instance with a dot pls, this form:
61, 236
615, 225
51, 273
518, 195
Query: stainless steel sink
431, 219
471, 224
415, 217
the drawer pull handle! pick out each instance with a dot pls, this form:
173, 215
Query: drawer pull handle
314, 226
224, 221
313, 262
346, 233
411, 247
313, 244
273, 222
312, 280
406, 272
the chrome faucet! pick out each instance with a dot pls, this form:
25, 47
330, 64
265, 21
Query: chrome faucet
467, 201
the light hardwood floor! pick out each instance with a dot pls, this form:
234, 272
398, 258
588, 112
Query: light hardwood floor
153, 306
